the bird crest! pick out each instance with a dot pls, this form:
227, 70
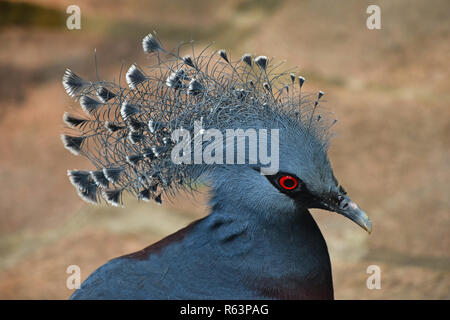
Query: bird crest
127, 133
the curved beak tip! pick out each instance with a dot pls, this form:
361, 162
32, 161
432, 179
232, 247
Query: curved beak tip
354, 213
350, 210
368, 226
361, 218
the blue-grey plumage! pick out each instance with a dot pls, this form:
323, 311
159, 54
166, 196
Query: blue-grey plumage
259, 240
224, 256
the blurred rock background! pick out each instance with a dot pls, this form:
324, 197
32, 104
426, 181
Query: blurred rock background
389, 88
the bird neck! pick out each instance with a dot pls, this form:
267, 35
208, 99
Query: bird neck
283, 258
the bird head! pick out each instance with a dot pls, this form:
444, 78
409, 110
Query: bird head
128, 134
303, 179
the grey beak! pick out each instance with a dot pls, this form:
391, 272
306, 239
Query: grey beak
345, 206
351, 210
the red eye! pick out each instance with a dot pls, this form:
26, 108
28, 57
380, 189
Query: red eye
288, 182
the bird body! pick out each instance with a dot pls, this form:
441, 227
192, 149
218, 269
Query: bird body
222, 258
259, 240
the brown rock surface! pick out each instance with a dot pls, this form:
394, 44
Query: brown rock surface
388, 88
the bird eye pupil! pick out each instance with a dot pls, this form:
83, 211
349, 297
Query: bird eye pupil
288, 182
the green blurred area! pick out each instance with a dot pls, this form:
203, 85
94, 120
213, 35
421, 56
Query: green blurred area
388, 88
30, 15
